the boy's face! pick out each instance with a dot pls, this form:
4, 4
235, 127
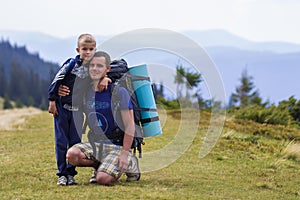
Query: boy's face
86, 51
98, 68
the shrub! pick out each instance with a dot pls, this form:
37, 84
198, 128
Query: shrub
270, 115
7, 103
169, 105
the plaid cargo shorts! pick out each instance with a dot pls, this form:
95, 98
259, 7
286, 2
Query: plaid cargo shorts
107, 157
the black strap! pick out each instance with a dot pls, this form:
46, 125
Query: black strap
139, 78
146, 109
147, 120
117, 134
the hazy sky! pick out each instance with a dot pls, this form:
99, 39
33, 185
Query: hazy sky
258, 20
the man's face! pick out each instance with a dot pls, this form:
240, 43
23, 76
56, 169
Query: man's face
98, 68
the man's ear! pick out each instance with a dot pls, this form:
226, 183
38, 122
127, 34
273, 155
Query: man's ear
107, 69
77, 49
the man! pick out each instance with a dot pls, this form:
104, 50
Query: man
109, 156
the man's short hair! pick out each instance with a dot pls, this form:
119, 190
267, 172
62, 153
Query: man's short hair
105, 55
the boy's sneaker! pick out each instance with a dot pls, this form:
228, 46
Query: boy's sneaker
93, 178
71, 180
62, 181
133, 172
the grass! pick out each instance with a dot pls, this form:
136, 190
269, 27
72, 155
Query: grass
1, 103
245, 164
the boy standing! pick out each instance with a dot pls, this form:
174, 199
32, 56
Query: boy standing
66, 110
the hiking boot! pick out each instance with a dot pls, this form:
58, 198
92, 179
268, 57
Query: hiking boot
93, 177
62, 180
133, 172
71, 180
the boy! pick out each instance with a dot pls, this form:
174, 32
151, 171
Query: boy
68, 117
112, 156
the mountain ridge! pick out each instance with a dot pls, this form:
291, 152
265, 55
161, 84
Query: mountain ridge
274, 65
47, 45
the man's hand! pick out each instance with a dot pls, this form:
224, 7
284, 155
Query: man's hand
123, 161
63, 90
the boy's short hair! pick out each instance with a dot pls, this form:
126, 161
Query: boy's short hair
105, 55
86, 38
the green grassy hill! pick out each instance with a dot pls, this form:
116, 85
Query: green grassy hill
249, 161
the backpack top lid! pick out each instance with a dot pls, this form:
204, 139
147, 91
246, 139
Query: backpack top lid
117, 69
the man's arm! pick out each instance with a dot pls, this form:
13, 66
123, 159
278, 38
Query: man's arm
63, 90
128, 120
102, 85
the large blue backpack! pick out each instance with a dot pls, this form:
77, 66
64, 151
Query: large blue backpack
121, 78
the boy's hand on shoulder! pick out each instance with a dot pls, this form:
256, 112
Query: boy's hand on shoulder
103, 82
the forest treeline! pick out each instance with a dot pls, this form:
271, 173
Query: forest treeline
25, 78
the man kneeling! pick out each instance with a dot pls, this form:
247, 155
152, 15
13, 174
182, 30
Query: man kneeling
109, 155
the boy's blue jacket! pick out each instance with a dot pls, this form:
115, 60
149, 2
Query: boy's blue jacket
71, 70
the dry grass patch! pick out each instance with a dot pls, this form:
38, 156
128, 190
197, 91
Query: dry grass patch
13, 119
292, 151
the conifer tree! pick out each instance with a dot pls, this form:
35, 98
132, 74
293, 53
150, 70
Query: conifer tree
245, 94
193, 80
179, 80
7, 104
3, 81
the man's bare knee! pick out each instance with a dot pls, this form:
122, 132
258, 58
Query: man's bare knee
73, 155
104, 178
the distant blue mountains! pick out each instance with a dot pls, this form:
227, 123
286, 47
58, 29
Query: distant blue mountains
274, 66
